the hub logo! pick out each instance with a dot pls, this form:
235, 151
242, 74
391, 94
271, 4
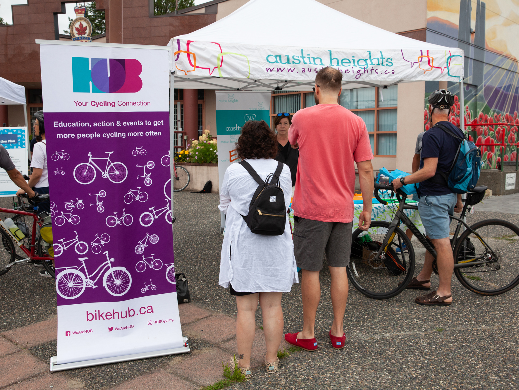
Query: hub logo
102, 75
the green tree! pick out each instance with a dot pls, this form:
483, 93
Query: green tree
3, 22
96, 17
168, 6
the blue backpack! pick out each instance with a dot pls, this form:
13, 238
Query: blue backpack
466, 167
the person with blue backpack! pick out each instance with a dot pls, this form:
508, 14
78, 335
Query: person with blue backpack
449, 166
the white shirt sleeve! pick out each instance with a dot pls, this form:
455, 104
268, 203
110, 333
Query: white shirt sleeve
225, 197
39, 155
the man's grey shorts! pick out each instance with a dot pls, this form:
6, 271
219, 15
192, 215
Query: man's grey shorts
312, 239
435, 212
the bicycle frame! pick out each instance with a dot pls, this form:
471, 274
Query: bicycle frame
108, 162
31, 251
100, 269
425, 241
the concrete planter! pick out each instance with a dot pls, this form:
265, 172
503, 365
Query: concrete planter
200, 174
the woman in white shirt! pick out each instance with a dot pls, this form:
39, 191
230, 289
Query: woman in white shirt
256, 268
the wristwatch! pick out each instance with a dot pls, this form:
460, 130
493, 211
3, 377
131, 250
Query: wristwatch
402, 180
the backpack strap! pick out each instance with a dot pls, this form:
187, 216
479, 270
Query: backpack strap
445, 175
277, 173
252, 172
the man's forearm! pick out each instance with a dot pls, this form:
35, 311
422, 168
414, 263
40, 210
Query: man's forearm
18, 179
35, 177
366, 185
419, 176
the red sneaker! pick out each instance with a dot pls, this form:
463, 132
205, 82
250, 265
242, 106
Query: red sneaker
308, 344
338, 342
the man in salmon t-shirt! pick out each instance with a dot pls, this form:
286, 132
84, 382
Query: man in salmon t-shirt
331, 139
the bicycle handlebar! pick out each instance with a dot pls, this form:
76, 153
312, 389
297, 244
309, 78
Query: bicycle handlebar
400, 195
38, 198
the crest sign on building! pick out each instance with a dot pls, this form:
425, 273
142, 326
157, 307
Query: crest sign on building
81, 28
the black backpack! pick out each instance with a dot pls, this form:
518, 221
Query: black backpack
267, 211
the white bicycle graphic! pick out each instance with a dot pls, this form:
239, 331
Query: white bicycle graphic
137, 194
148, 217
59, 171
147, 287
61, 155
139, 151
146, 176
98, 242
81, 247
113, 220
153, 239
66, 217
53, 209
154, 264
170, 273
99, 203
78, 204
164, 160
85, 173
71, 282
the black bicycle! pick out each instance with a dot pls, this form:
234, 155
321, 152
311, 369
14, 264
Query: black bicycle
485, 254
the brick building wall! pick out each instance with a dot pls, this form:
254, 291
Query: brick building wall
20, 55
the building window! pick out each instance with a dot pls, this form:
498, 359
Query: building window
376, 106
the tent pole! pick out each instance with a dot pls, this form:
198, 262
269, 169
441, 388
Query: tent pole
462, 106
25, 116
171, 137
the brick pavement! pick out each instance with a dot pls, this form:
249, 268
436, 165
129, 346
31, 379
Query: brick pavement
202, 367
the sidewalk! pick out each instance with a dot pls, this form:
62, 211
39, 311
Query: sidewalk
214, 333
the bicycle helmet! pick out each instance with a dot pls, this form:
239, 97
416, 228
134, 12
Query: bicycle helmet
39, 116
441, 99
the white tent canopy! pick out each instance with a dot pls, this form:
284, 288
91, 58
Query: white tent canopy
247, 50
11, 93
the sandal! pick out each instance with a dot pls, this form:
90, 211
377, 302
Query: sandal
247, 373
272, 367
432, 299
416, 284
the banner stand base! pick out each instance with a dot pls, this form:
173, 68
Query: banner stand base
116, 359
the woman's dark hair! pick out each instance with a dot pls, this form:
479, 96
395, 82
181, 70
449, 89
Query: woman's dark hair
257, 141
39, 117
277, 119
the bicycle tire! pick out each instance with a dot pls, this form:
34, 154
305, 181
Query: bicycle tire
117, 281
81, 247
58, 250
70, 284
146, 219
117, 172
42, 250
128, 198
84, 173
7, 252
170, 274
377, 278
165, 160
154, 239
497, 241
111, 221
156, 264
182, 178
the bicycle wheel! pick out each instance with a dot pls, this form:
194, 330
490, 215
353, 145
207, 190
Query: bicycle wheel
70, 284
117, 172
182, 178
59, 221
140, 266
127, 220
380, 278
74, 219
169, 217
96, 248
165, 160
494, 244
150, 164
80, 206
128, 198
43, 249
170, 274
142, 197
148, 181
58, 250
84, 173
146, 219
117, 281
139, 249
7, 252
105, 238
154, 239
81, 247
156, 264
111, 221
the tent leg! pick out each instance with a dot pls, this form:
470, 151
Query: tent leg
171, 136
462, 106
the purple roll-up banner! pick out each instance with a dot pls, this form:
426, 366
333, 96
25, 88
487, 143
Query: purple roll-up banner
106, 122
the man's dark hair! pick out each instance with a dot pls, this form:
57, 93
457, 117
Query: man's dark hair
257, 141
39, 117
329, 79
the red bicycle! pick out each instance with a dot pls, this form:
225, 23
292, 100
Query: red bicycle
34, 248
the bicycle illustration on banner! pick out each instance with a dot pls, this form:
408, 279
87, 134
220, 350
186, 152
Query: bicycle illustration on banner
98, 242
71, 282
147, 287
113, 220
137, 194
147, 218
153, 239
78, 204
155, 264
99, 203
81, 247
146, 176
85, 173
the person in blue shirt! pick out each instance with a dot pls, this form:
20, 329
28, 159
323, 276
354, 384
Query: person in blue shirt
437, 201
